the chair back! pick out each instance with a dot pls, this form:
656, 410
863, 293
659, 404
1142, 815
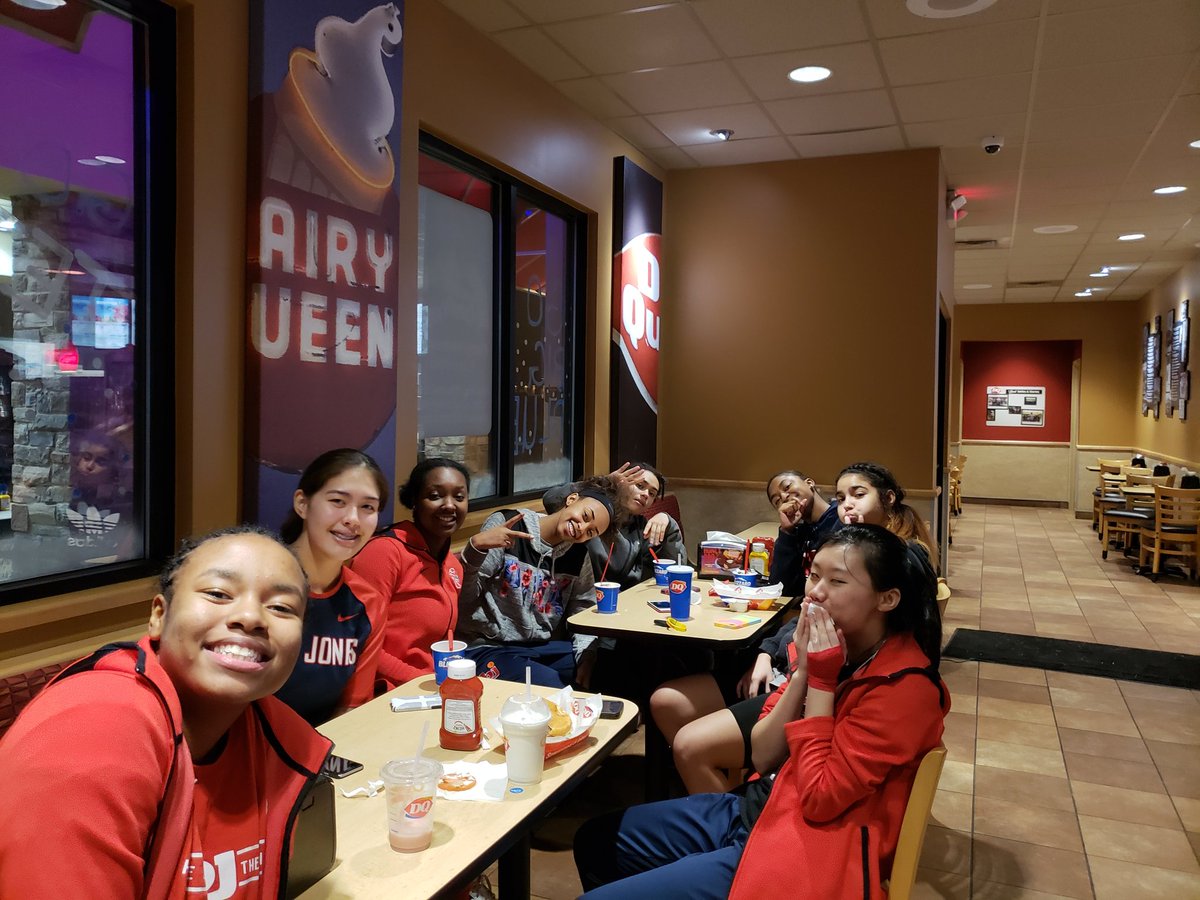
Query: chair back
912, 827
668, 503
1176, 507
1140, 476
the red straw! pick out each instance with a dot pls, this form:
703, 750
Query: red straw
610, 550
450, 639
653, 555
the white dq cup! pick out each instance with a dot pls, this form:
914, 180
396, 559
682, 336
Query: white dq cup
526, 722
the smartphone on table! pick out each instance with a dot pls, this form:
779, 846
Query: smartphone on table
612, 709
339, 767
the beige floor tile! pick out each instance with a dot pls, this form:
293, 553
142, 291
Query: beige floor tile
1086, 683
934, 885
1029, 788
1067, 698
1035, 825
1030, 866
1124, 805
959, 736
1189, 812
1180, 782
1117, 880
1012, 731
1018, 674
1097, 743
968, 704
990, 890
1137, 690
956, 810
957, 776
1009, 690
1156, 725
1115, 772
946, 850
1145, 844
1038, 713
1116, 722
1020, 757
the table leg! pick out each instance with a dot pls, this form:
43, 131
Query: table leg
514, 871
659, 764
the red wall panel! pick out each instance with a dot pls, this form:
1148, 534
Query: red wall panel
1018, 364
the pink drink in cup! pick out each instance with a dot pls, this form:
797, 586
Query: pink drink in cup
411, 786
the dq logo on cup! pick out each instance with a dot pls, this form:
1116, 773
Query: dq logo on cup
418, 808
679, 587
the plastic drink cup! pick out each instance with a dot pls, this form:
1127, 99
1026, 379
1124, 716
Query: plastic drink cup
442, 654
745, 576
660, 570
411, 786
679, 587
606, 596
526, 722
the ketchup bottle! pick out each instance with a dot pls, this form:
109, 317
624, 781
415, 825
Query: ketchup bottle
461, 726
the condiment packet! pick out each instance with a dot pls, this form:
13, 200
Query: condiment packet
372, 788
491, 781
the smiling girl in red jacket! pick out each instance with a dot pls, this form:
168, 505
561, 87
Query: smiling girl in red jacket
165, 769
411, 565
842, 743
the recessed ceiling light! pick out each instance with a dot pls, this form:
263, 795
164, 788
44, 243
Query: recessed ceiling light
40, 5
1195, 145
1103, 273
809, 74
975, 287
1055, 229
111, 160
89, 162
946, 9
722, 134
1171, 189
1086, 293
1135, 236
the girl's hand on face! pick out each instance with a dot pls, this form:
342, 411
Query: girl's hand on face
791, 512
800, 639
499, 537
656, 529
853, 519
826, 649
626, 475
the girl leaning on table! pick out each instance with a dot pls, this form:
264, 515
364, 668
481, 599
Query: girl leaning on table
526, 574
841, 742
165, 768
411, 565
334, 513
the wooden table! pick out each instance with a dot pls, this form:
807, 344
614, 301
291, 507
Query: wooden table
1092, 468
1133, 491
467, 836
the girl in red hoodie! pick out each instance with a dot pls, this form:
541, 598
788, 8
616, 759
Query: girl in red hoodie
842, 743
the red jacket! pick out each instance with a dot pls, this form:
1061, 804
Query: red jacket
424, 599
832, 820
91, 759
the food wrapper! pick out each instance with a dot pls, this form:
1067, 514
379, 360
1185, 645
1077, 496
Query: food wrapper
759, 597
581, 710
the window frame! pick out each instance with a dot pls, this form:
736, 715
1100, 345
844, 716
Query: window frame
507, 189
154, 122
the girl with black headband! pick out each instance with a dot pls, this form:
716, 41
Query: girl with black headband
525, 574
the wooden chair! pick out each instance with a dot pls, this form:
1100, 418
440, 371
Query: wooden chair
912, 827
1123, 523
1105, 496
1175, 530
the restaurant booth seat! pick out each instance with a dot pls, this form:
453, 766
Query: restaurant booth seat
18, 689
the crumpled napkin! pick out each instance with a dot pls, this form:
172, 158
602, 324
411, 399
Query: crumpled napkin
491, 781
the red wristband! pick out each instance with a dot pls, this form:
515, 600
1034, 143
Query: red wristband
823, 668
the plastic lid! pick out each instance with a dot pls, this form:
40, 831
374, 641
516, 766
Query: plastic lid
525, 710
460, 669
758, 547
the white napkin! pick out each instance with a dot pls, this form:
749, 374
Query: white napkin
491, 781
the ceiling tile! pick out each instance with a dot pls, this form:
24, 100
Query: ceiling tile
1030, 294
964, 53
972, 161
890, 18
970, 298
968, 132
749, 27
1145, 29
991, 96
596, 97
557, 10
1097, 123
1027, 237
992, 214
487, 15
644, 39
1037, 211
979, 233
754, 150
835, 112
1071, 176
671, 158
693, 126
854, 68
1115, 151
538, 52
871, 140
1109, 82
1184, 116
639, 131
680, 87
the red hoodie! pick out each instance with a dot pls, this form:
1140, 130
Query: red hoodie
832, 820
96, 753
423, 595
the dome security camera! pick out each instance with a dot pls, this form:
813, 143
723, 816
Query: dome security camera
992, 144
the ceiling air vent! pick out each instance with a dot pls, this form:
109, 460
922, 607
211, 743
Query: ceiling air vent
1026, 284
984, 244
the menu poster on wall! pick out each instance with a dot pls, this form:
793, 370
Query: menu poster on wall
1015, 407
323, 215
1151, 357
1177, 361
636, 312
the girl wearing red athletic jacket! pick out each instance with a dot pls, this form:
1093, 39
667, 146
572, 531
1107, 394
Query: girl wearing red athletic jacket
842, 746
165, 769
411, 566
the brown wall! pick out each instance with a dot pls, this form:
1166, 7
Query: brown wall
1169, 437
1108, 368
804, 324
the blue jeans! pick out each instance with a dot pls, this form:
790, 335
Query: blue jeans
551, 663
689, 847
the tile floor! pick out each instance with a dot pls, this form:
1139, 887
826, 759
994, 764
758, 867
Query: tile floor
1056, 785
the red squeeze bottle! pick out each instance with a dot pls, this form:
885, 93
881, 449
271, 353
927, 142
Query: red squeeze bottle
461, 728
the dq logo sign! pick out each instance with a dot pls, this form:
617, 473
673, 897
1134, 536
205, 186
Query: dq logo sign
679, 587
636, 319
417, 809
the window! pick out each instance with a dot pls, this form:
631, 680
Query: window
499, 327
86, 127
